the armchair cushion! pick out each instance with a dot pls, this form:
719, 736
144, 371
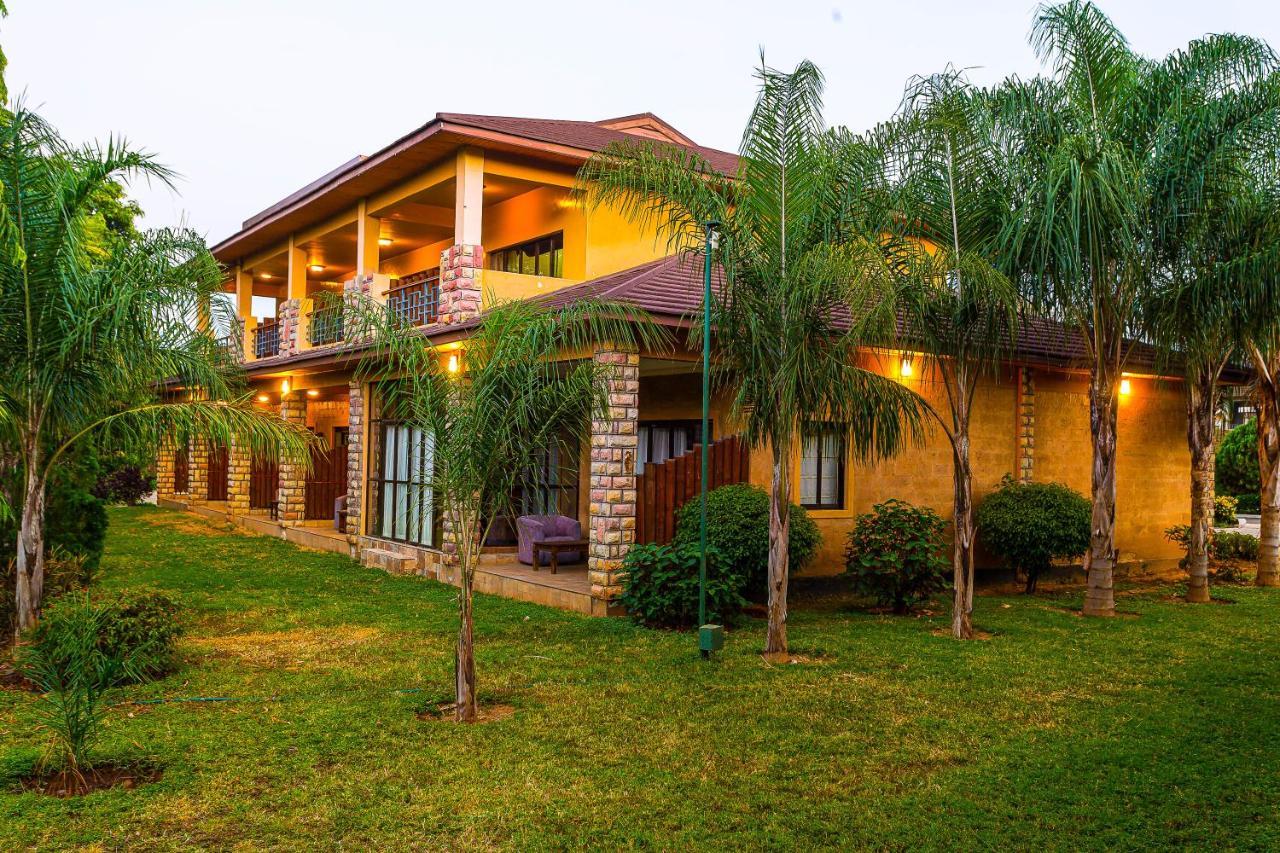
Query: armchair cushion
533, 529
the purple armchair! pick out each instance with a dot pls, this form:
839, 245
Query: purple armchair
533, 529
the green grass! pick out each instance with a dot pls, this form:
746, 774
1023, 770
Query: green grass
1057, 733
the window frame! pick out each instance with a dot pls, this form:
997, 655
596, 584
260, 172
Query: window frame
379, 483
694, 425
817, 432
498, 258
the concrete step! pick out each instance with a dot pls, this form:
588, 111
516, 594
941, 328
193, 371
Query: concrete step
389, 561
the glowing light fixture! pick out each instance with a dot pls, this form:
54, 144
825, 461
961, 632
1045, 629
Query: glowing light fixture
284, 386
316, 267
384, 241
263, 398
266, 276
1126, 387
907, 369
312, 392
454, 364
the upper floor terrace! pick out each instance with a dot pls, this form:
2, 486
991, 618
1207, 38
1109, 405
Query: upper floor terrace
464, 210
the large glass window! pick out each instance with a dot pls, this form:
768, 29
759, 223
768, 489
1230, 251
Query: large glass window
550, 487
663, 440
822, 467
543, 256
401, 492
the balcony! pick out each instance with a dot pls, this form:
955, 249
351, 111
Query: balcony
415, 301
325, 325
266, 339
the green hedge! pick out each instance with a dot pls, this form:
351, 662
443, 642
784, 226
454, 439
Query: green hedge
662, 586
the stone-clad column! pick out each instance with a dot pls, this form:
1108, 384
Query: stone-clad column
461, 273
292, 492
239, 470
355, 459
198, 492
164, 466
612, 528
289, 315
1026, 426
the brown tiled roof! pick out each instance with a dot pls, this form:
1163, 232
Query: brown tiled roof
588, 135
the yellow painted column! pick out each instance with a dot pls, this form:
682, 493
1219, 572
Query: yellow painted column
368, 230
469, 203
462, 265
244, 309
294, 309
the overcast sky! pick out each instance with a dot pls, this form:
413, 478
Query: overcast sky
251, 99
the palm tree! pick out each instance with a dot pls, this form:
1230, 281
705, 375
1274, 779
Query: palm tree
484, 417
944, 172
1220, 106
806, 283
88, 342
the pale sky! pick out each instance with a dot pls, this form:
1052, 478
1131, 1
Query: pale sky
252, 99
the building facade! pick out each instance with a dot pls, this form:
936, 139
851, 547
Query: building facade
467, 210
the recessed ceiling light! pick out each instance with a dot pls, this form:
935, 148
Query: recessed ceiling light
311, 392
265, 276
384, 241
316, 267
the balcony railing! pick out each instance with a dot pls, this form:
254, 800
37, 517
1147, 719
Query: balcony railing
325, 326
266, 339
416, 300
231, 343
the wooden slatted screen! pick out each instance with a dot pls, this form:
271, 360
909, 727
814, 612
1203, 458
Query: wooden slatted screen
663, 488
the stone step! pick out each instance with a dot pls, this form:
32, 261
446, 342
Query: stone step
389, 561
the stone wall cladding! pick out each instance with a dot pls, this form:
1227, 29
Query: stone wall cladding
198, 491
1026, 425
239, 470
461, 274
165, 466
612, 525
290, 316
292, 492
355, 460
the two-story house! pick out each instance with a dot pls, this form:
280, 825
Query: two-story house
469, 209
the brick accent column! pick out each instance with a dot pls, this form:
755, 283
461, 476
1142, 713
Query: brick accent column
1026, 425
164, 466
198, 493
292, 493
289, 315
612, 527
239, 469
355, 460
461, 276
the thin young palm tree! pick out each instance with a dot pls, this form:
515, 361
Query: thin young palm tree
485, 416
944, 172
806, 284
88, 343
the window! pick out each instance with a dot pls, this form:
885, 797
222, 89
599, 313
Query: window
543, 256
663, 440
822, 467
401, 485
551, 486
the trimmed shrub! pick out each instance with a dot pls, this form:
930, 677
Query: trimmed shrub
895, 554
1224, 511
1029, 525
1233, 545
1250, 502
1228, 549
140, 627
738, 528
662, 586
1236, 463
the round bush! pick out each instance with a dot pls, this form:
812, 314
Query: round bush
1031, 524
662, 586
1236, 469
738, 528
895, 554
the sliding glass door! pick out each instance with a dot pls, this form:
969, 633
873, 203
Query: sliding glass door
401, 485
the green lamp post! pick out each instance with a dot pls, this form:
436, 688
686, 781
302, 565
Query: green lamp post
710, 637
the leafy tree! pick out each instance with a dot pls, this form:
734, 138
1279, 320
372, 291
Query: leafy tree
1236, 470
88, 344
512, 398
806, 283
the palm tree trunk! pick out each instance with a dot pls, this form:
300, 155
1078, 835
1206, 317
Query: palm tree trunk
962, 511
29, 583
1201, 394
1099, 599
779, 535
465, 710
1269, 469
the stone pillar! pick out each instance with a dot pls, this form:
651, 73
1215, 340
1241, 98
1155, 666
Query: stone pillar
198, 493
612, 527
164, 466
355, 460
289, 314
239, 471
292, 493
461, 276
1026, 426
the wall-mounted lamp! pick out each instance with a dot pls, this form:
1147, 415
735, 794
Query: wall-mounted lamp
284, 387
906, 368
1126, 388
454, 363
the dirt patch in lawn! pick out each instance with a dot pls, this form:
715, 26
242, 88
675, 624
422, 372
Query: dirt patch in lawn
488, 712
192, 526
66, 783
301, 648
11, 679
977, 634
799, 656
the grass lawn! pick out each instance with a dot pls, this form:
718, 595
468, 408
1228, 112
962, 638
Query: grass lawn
1161, 729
